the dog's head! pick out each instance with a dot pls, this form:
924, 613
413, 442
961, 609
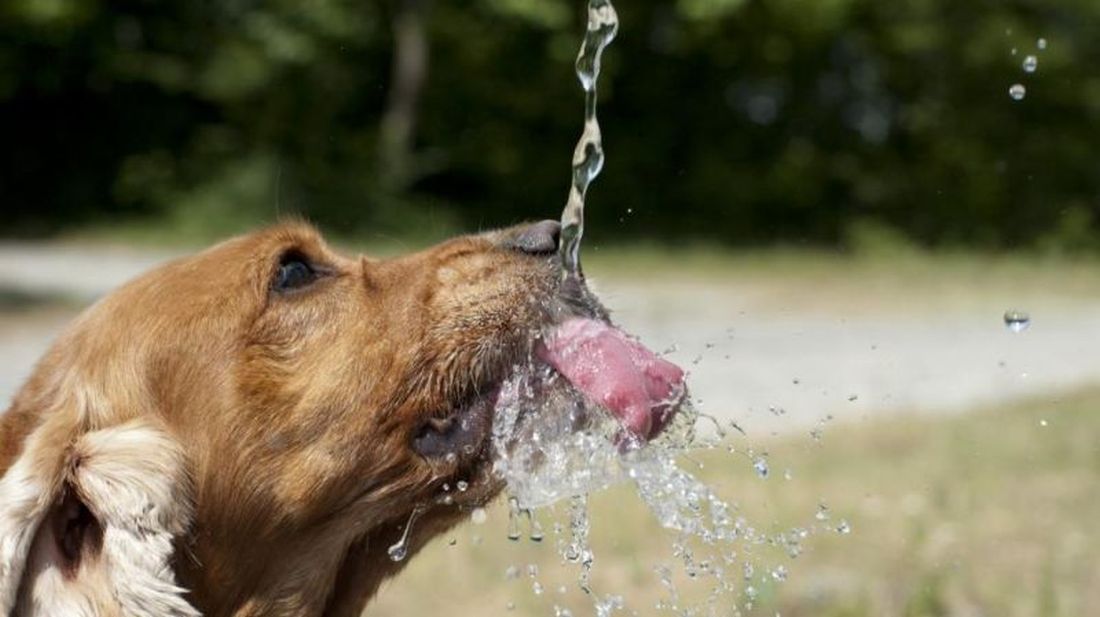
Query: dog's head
272, 413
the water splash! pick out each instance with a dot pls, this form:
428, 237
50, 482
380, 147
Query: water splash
588, 157
550, 444
547, 451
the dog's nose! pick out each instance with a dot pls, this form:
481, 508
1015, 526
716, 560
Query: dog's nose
537, 239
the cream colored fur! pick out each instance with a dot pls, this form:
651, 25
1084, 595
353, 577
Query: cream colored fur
131, 478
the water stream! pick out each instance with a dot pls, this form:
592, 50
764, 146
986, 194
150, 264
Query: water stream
588, 157
552, 446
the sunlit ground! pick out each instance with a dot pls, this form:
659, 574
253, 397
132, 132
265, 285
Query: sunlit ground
988, 513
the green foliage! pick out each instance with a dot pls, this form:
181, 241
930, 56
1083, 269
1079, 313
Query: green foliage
734, 121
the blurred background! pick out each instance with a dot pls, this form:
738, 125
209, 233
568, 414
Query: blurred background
822, 208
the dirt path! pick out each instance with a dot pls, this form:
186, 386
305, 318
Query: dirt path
745, 355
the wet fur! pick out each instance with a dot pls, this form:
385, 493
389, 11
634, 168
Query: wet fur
197, 444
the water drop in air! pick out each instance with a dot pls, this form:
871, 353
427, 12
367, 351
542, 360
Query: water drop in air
1017, 321
1030, 64
513, 519
479, 516
397, 552
400, 549
1041, 44
1017, 92
760, 465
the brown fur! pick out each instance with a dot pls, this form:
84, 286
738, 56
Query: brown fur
294, 412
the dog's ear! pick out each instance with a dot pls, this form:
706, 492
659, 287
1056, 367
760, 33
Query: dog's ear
88, 521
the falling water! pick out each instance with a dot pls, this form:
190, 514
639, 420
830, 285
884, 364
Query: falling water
400, 549
603, 23
552, 445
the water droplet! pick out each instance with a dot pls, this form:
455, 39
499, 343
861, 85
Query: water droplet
1017, 321
511, 606
822, 512
1041, 44
479, 516
511, 573
513, 519
760, 465
1043, 423
537, 588
787, 475
1017, 92
853, 397
400, 549
1030, 64
398, 552
462, 485
536, 534
1013, 51
779, 573
844, 528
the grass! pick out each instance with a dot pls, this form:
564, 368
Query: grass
987, 513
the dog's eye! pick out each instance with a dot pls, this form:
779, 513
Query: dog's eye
294, 273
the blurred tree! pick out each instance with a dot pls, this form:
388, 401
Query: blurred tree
736, 121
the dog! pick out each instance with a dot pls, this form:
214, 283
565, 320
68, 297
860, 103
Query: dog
246, 431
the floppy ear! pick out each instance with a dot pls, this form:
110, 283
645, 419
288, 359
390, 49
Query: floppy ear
88, 522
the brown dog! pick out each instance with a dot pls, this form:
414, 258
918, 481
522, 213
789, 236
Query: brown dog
246, 431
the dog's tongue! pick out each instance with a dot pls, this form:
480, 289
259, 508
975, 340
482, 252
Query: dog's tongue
617, 372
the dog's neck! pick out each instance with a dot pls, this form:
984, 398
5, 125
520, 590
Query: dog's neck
319, 574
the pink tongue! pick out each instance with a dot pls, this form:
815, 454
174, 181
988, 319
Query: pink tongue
617, 372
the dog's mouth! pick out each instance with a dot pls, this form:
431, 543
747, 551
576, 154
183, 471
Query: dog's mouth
459, 436
598, 364
615, 371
